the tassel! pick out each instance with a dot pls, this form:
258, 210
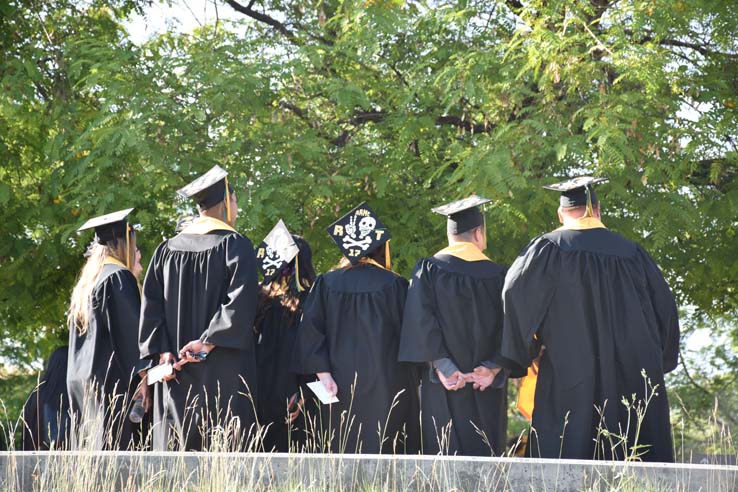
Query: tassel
589, 212
228, 201
387, 260
128, 245
300, 288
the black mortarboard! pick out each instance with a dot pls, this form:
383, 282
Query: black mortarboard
464, 214
208, 189
276, 251
109, 227
574, 191
358, 233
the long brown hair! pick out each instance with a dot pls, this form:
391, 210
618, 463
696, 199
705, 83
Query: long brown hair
379, 255
78, 315
285, 287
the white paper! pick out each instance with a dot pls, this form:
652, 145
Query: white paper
322, 393
155, 374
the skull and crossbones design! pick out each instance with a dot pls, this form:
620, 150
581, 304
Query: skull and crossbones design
272, 259
365, 227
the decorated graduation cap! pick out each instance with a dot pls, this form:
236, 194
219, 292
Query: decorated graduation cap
577, 192
359, 233
111, 227
276, 251
463, 215
210, 189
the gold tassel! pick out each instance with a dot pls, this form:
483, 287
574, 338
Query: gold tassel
387, 260
589, 212
300, 288
128, 245
228, 201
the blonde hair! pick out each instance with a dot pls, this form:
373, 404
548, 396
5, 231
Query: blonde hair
79, 307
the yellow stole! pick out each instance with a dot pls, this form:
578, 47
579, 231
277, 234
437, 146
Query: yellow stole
583, 224
464, 251
109, 260
205, 225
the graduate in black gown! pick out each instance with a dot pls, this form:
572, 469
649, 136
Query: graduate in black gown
286, 263
104, 365
605, 316
453, 327
199, 303
349, 338
46, 413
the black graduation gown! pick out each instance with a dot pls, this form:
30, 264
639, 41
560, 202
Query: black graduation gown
602, 309
454, 311
351, 328
46, 413
275, 341
103, 364
202, 286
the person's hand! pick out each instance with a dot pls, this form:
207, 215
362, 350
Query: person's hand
142, 393
482, 377
328, 382
294, 407
455, 382
187, 353
137, 269
168, 358
537, 361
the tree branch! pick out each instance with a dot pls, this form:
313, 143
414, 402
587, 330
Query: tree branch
250, 12
699, 48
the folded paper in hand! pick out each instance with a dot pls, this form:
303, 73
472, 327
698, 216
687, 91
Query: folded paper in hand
322, 393
155, 374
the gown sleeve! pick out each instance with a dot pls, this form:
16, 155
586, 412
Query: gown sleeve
311, 345
665, 308
122, 308
529, 287
421, 339
231, 326
152, 333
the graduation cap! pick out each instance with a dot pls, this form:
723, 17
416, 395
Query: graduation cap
358, 233
464, 214
111, 227
276, 251
577, 192
210, 189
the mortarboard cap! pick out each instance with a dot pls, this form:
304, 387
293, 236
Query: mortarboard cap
108, 227
358, 233
464, 214
574, 191
276, 251
208, 189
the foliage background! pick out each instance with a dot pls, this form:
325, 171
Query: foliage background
316, 105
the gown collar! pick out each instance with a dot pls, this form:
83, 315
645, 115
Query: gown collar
583, 224
206, 225
109, 260
372, 262
464, 251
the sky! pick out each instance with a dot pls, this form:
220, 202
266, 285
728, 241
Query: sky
179, 15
